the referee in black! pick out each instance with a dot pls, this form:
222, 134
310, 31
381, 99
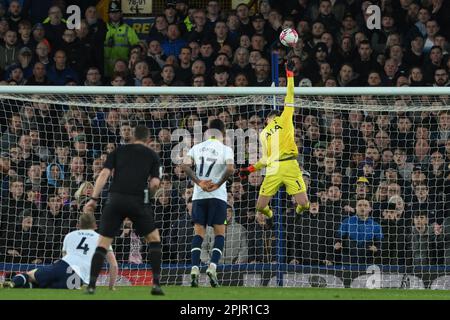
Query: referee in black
135, 170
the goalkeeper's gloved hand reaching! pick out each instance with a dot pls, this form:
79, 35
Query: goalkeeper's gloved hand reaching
290, 68
244, 172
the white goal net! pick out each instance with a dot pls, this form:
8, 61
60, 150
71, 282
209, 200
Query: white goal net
377, 168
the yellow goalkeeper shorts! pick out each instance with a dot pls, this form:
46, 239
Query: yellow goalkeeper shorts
285, 173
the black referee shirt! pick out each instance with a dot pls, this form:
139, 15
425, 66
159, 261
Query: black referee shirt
133, 164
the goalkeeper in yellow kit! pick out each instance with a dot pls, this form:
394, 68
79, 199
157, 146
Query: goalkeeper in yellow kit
280, 156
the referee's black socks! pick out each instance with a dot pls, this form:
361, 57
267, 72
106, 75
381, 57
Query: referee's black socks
154, 250
96, 266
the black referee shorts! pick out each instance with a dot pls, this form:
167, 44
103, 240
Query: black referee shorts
121, 206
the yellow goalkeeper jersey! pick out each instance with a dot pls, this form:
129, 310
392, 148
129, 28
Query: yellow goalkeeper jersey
277, 138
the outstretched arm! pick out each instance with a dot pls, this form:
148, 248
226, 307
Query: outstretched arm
285, 117
288, 111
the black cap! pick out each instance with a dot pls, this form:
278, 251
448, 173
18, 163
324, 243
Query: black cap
257, 16
418, 213
26, 213
387, 13
320, 145
321, 47
80, 138
391, 166
220, 69
347, 15
171, 4
417, 168
416, 35
366, 161
114, 7
206, 41
25, 50
69, 80
391, 206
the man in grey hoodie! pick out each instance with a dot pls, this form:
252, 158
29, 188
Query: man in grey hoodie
9, 51
236, 244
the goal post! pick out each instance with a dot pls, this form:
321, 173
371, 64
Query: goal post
376, 161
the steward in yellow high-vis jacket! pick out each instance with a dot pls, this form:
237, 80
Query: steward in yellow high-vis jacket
119, 38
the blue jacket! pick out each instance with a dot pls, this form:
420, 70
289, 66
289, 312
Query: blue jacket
360, 231
59, 77
173, 48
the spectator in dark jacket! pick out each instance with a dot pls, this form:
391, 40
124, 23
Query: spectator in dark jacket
313, 243
56, 222
95, 37
54, 26
15, 14
77, 54
60, 72
39, 77
37, 9
25, 242
394, 245
181, 234
442, 233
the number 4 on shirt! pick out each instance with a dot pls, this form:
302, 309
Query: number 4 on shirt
80, 246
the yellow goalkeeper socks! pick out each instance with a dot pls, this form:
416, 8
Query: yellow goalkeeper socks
300, 209
267, 212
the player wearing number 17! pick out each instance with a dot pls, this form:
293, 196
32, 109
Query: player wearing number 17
214, 165
280, 156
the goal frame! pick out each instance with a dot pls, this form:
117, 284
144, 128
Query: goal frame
232, 91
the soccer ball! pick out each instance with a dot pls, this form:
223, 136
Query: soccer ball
289, 37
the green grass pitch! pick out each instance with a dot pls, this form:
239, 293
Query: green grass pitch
226, 293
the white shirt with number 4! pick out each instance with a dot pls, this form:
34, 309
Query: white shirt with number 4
211, 158
79, 247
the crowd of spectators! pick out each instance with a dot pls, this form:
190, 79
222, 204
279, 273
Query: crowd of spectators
378, 181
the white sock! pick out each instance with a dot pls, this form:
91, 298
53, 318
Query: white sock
213, 266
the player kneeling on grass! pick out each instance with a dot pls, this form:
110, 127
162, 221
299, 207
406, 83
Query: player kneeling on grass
214, 165
280, 156
73, 269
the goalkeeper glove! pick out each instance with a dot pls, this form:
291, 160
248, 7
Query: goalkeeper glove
290, 68
244, 172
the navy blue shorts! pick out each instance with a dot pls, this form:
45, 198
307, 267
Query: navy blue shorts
57, 276
209, 212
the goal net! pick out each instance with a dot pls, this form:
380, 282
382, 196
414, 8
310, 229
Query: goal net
376, 164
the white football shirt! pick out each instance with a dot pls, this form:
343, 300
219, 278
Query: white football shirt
211, 158
79, 247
